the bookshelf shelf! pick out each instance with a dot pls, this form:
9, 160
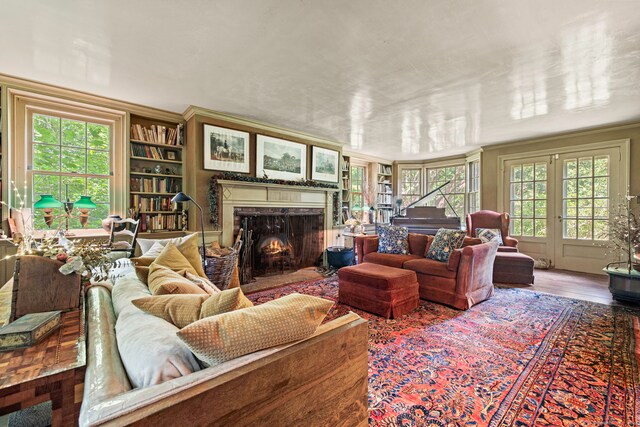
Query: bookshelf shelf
345, 193
175, 162
153, 142
157, 175
156, 144
384, 199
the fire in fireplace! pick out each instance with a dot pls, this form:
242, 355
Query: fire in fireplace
277, 240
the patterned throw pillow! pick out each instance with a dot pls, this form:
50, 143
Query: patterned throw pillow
216, 339
489, 235
393, 239
445, 242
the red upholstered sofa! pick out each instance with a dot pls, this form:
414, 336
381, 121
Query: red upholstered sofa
461, 283
491, 219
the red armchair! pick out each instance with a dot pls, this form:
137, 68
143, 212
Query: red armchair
491, 219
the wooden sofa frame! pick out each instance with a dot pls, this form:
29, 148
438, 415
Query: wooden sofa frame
315, 382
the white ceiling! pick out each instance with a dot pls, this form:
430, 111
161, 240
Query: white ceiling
396, 79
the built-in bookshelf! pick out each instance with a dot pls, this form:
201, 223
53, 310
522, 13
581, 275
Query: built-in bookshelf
155, 161
345, 193
384, 199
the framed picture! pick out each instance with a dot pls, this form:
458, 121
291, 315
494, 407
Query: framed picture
280, 159
226, 149
324, 164
171, 155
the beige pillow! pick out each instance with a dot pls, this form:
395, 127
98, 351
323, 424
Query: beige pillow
226, 336
187, 245
164, 281
142, 272
203, 283
172, 258
182, 310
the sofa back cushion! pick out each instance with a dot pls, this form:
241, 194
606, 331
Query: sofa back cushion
393, 239
149, 348
418, 243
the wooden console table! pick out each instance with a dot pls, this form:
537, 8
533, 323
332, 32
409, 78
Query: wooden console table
50, 370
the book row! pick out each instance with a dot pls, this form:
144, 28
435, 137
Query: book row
155, 185
156, 134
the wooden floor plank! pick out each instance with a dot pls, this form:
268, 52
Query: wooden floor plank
572, 284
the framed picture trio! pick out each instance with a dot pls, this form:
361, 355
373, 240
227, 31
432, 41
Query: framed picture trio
228, 150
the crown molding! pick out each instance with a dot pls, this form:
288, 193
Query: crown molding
75, 96
365, 157
193, 110
563, 135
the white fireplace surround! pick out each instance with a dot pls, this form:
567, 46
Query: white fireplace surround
238, 194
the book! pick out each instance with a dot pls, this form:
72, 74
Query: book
28, 330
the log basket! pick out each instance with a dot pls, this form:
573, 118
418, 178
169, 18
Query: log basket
220, 268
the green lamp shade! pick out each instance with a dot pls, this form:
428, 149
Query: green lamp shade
85, 202
47, 202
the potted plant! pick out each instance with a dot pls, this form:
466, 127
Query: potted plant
624, 242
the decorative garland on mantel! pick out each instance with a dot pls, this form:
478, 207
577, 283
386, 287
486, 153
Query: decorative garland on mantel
214, 200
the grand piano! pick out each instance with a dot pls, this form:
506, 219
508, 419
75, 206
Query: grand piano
426, 219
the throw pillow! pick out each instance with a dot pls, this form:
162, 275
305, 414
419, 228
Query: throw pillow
142, 272
393, 239
445, 242
188, 247
172, 258
203, 283
182, 310
163, 281
489, 235
217, 339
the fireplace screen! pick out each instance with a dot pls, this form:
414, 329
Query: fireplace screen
278, 240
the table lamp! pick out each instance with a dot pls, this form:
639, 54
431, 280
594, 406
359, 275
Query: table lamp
47, 203
83, 205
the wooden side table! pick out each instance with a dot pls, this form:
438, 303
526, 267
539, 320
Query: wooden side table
50, 370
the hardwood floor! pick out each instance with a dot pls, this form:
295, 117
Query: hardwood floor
572, 284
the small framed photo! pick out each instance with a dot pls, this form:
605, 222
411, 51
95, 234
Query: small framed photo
280, 159
171, 155
226, 149
324, 164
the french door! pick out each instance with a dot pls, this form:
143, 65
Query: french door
560, 205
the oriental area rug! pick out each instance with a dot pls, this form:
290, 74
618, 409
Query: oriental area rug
519, 359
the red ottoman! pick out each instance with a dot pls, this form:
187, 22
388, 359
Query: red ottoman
386, 291
513, 267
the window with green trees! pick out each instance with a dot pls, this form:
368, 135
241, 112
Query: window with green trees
528, 199
70, 158
454, 191
409, 186
357, 196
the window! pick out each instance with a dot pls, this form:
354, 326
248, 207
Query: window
585, 198
71, 157
528, 199
409, 186
455, 191
473, 192
357, 186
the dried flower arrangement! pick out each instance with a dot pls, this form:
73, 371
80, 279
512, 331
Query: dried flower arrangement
624, 232
89, 258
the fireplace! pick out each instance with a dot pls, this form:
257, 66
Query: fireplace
277, 240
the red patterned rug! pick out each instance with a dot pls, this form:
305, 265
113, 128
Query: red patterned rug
519, 359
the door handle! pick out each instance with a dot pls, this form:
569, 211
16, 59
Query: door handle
560, 218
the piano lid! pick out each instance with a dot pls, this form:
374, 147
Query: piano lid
430, 195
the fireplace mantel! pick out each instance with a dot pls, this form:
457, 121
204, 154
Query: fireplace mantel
238, 194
